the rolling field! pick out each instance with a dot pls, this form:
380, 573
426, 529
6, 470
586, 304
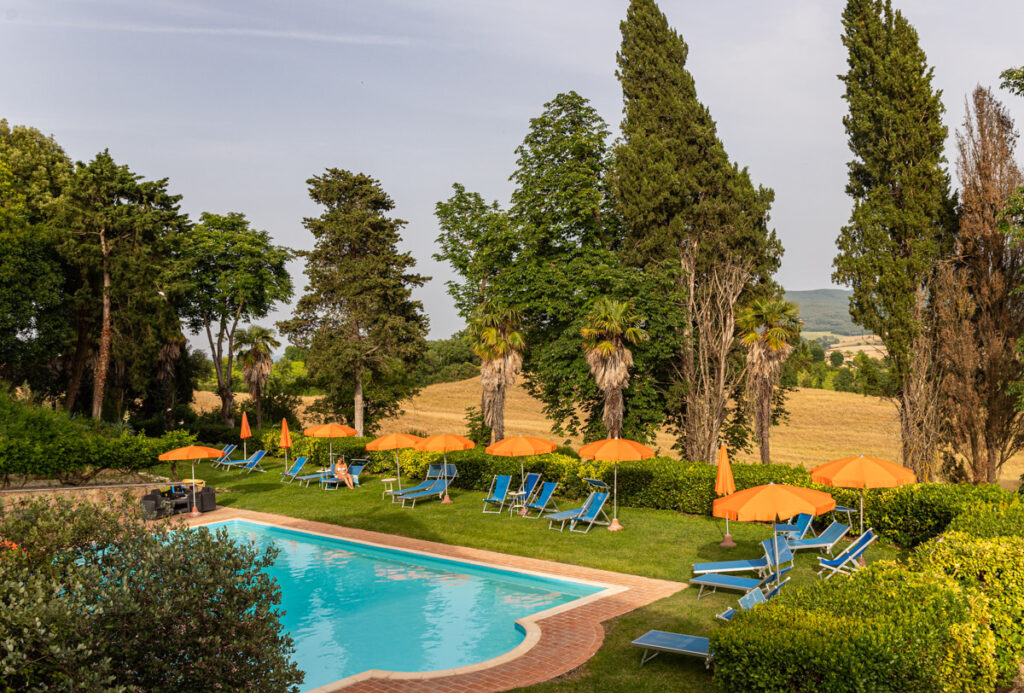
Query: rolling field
824, 425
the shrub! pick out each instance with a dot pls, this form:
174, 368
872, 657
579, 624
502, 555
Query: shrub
993, 567
886, 628
316, 449
991, 520
96, 599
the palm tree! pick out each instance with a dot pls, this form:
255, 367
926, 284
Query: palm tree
496, 339
610, 325
769, 326
253, 347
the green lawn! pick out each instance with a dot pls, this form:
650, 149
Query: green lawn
655, 543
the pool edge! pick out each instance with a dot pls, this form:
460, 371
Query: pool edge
574, 629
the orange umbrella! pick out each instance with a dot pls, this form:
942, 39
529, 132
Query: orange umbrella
396, 442
246, 433
862, 472
330, 430
724, 485
286, 440
443, 443
192, 452
616, 450
772, 502
521, 446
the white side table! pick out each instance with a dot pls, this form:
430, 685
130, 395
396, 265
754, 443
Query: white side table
389, 486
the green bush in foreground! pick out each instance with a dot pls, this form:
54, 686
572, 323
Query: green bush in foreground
991, 520
93, 598
884, 629
993, 567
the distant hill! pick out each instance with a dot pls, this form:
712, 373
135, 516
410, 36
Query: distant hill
825, 310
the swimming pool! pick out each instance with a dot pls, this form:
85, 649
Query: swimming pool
351, 607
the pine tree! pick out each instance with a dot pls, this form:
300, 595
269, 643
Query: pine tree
363, 330
690, 216
902, 218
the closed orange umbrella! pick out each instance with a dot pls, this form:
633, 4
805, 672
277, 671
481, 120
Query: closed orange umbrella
724, 485
396, 442
246, 433
192, 452
444, 443
616, 450
772, 502
862, 472
330, 430
286, 440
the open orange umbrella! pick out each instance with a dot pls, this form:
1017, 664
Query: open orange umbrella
616, 450
862, 472
521, 446
724, 485
286, 440
396, 442
244, 435
193, 453
444, 443
330, 430
771, 502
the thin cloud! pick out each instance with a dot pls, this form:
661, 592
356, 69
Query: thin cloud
274, 34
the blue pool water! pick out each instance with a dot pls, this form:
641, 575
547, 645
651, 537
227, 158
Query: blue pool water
351, 607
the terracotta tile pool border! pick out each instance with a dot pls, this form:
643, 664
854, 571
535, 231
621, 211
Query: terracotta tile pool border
556, 640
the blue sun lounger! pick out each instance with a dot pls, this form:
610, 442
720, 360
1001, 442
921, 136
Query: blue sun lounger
433, 473
498, 493
655, 642
437, 490
225, 455
825, 541
591, 509
785, 553
846, 562
751, 599
529, 486
542, 501
249, 465
712, 581
290, 474
751, 565
798, 529
355, 468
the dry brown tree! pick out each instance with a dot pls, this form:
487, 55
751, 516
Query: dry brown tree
610, 325
981, 308
499, 344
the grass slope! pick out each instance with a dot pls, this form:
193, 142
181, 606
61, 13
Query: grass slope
825, 311
655, 543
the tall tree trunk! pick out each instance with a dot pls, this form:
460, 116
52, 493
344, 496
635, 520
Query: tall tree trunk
498, 414
78, 361
357, 403
613, 410
764, 420
99, 378
259, 407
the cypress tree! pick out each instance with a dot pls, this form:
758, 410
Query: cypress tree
689, 215
902, 218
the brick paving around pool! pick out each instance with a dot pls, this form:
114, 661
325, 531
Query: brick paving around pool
554, 644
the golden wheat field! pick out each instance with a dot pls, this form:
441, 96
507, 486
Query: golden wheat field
823, 425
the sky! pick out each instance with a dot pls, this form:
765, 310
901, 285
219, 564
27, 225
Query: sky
239, 103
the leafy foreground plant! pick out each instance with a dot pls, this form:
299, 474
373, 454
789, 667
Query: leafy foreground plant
93, 598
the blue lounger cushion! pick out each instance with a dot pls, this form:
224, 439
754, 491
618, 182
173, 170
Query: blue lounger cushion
785, 552
726, 581
755, 565
798, 529
824, 541
658, 641
846, 562
541, 502
499, 492
438, 489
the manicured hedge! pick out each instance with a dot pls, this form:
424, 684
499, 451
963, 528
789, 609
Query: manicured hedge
993, 567
991, 520
884, 629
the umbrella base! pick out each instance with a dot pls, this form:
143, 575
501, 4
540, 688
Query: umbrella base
446, 499
727, 543
615, 526
195, 511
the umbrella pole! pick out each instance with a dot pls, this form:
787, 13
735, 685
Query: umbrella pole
245, 452
727, 542
444, 473
778, 571
398, 466
195, 508
862, 511
615, 526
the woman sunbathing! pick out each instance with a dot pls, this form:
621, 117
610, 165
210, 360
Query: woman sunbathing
341, 473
